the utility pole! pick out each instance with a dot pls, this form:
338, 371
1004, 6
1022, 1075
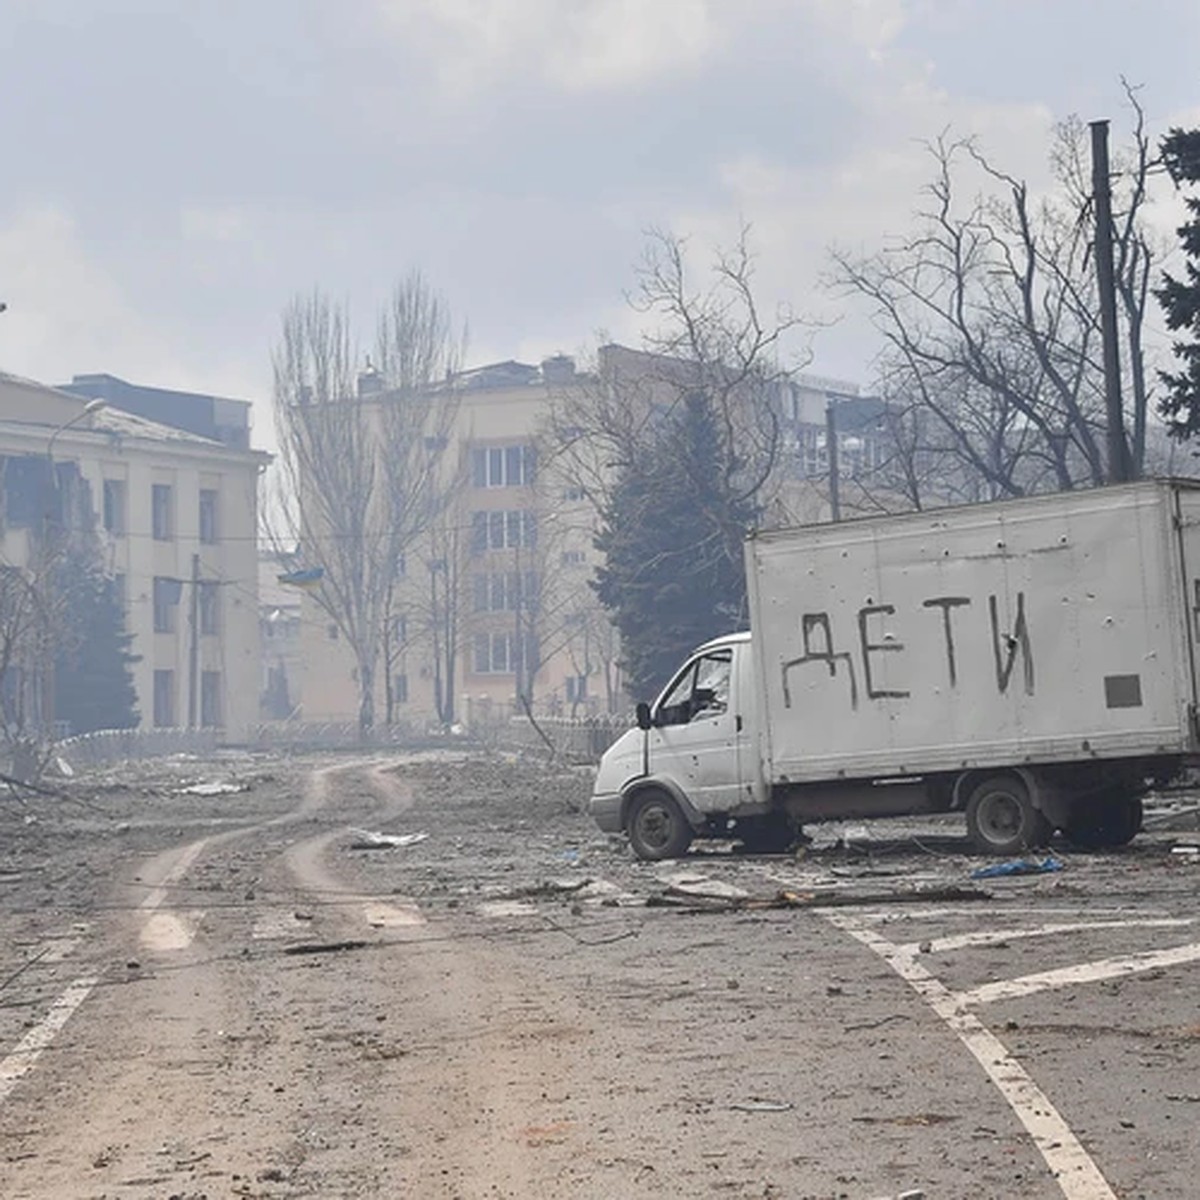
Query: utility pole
831, 450
1120, 468
194, 641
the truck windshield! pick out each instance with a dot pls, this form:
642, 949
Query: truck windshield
700, 690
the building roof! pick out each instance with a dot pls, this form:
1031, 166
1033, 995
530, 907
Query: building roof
214, 417
126, 424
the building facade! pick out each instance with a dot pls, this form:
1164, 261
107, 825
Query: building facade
493, 612
174, 515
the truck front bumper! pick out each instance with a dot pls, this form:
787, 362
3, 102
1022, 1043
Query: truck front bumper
605, 810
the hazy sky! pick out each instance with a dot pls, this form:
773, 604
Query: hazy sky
174, 170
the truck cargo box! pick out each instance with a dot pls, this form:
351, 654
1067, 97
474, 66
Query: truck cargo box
1041, 630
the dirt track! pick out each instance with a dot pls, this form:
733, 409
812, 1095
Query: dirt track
258, 1008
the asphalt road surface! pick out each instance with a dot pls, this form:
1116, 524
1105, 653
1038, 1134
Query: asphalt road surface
430, 976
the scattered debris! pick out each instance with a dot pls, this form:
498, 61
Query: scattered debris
1186, 850
545, 887
698, 901
1018, 866
213, 788
875, 1024
365, 839
325, 947
704, 887
908, 1120
754, 1105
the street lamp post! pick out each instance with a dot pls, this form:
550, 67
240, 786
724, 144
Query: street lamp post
92, 406
47, 552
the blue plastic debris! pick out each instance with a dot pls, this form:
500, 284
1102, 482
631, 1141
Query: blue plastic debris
1018, 866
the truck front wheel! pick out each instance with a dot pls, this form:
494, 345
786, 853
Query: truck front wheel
1001, 818
657, 827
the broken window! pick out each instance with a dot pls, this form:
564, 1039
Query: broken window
162, 515
208, 515
166, 600
114, 507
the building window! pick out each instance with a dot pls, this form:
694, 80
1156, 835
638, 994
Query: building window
162, 516
209, 529
576, 689
166, 601
208, 602
114, 507
332, 631
26, 490
500, 530
164, 699
502, 466
400, 689
572, 558
497, 653
210, 699
505, 591
400, 629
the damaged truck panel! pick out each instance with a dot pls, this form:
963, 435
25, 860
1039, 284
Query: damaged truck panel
1032, 662
1041, 630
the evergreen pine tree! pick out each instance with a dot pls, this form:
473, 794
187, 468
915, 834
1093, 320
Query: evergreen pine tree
93, 684
671, 537
1180, 298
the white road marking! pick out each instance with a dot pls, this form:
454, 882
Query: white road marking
20, 1062
493, 909
154, 898
391, 916
1093, 972
167, 931
1076, 1174
991, 937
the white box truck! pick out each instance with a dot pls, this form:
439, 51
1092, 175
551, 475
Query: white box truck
1030, 662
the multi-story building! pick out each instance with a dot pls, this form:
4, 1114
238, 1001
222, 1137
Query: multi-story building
493, 610
175, 516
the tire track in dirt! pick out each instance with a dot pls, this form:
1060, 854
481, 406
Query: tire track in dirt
306, 860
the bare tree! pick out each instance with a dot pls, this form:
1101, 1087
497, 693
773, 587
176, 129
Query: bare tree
990, 316
691, 424
361, 457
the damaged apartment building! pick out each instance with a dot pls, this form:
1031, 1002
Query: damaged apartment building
159, 490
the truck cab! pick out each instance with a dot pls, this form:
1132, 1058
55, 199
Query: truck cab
691, 765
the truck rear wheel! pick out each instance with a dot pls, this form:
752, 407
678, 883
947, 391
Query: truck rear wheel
1106, 822
657, 827
1001, 817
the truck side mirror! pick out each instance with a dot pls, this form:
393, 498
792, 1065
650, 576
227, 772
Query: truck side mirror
642, 715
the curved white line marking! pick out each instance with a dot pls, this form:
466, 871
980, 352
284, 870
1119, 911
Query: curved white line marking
1076, 1174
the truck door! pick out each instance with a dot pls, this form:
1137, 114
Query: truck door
697, 732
